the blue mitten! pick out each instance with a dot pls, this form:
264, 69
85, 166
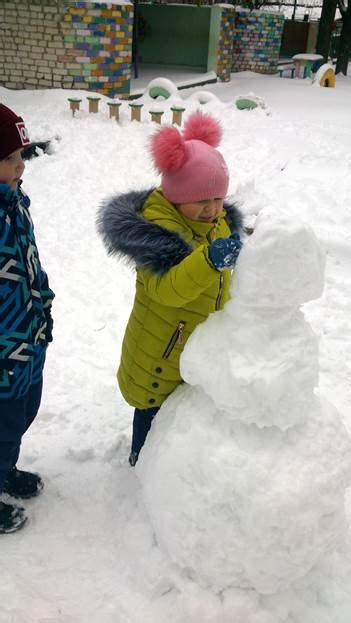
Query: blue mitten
223, 252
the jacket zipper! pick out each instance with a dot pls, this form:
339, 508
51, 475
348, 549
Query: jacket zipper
219, 296
212, 236
177, 337
27, 269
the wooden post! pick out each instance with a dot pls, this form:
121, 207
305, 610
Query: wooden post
177, 114
74, 104
135, 110
114, 109
93, 103
156, 115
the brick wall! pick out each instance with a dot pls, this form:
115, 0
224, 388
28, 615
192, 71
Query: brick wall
257, 39
225, 47
66, 44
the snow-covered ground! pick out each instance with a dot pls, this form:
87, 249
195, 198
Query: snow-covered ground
88, 552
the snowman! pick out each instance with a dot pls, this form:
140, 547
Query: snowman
244, 471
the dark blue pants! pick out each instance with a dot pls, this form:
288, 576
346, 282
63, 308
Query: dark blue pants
15, 418
141, 426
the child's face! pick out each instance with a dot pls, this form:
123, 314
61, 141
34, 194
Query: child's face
205, 211
11, 169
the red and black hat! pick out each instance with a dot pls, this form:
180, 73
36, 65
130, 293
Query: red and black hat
13, 132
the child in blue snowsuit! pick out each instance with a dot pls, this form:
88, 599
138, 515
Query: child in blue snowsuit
25, 321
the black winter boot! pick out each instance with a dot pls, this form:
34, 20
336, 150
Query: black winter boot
12, 518
133, 458
20, 484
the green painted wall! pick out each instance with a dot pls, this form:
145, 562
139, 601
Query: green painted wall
214, 35
179, 35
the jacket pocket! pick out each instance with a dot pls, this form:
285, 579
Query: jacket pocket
176, 338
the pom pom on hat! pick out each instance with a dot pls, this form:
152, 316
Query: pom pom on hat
204, 128
168, 150
192, 169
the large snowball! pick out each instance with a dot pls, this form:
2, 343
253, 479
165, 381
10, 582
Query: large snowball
258, 358
257, 367
243, 473
234, 505
280, 265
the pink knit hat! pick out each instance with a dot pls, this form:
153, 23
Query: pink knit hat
192, 169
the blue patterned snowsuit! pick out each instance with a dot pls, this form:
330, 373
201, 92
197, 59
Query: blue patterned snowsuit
25, 323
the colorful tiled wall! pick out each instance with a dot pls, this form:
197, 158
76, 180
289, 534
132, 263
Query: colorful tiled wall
66, 44
225, 44
98, 42
257, 39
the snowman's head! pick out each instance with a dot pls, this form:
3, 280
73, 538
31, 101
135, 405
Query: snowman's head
281, 264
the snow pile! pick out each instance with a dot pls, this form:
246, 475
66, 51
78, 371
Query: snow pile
268, 368
244, 471
88, 552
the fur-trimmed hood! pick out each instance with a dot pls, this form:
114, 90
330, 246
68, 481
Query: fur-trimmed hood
126, 233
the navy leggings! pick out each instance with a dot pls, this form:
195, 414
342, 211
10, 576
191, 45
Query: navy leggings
141, 426
15, 418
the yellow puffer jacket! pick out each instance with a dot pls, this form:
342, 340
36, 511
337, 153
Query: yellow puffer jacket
176, 287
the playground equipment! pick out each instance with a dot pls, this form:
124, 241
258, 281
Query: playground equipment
156, 115
177, 114
161, 87
244, 103
249, 102
165, 89
288, 67
304, 63
74, 104
135, 110
93, 103
325, 76
204, 97
114, 109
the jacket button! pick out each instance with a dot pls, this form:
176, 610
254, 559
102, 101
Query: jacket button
155, 384
158, 370
151, 401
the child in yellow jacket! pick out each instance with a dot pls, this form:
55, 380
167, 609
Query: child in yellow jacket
183, 239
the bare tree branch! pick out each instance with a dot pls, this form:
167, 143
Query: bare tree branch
325, 28
342, 5
290, 4
255, 4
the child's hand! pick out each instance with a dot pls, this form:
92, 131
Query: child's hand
223, 252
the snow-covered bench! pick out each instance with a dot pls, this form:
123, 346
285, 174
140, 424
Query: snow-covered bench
287, 67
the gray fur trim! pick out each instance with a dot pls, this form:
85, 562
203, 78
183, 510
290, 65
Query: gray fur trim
234, 217
127, 234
